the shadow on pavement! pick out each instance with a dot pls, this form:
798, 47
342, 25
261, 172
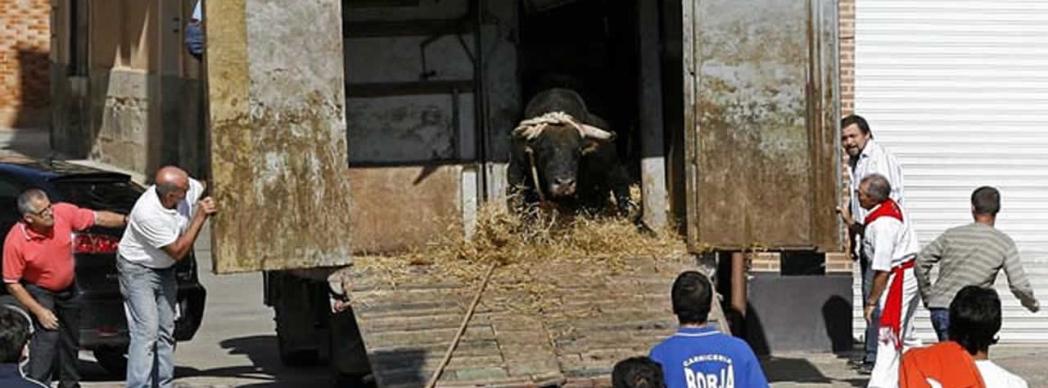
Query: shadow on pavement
92, 372
264, 370
795, 370
265, 366
801, 371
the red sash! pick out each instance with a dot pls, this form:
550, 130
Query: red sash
891, 313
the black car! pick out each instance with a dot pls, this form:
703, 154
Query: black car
103, 326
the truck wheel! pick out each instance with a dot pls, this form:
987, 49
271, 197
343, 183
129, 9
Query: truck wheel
112, 360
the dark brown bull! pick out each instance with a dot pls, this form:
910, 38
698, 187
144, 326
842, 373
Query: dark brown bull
563, 155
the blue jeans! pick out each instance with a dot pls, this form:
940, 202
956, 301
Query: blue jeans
149, 299
941, 322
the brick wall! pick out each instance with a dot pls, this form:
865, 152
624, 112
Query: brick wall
847, 68
847, 37
24, 48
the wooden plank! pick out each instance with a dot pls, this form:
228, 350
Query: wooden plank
621, 314
278, 135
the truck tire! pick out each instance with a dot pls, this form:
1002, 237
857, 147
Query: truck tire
113, 360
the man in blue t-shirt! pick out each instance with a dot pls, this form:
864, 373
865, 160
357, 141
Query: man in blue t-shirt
698, 356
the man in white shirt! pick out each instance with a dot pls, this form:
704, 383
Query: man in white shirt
892, 247
163, 226
975, 319
866, 157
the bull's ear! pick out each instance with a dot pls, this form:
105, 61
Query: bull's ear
591, 132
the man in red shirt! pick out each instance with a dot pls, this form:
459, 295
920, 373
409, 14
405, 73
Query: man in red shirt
39, 272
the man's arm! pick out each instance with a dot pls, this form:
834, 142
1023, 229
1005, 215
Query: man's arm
1017, 280
930, 255
46, 317
881, 235
110, 219
880, 282
181, 247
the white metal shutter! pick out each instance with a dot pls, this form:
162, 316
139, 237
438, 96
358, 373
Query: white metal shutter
958, 91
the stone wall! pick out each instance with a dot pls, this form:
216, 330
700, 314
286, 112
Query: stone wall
135, 100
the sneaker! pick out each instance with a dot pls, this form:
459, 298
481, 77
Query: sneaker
866, 368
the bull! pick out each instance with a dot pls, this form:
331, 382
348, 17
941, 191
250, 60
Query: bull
563, 156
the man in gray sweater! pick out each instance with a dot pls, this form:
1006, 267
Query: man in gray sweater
971, 255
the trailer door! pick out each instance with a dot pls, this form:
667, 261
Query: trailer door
761, 111
278, 134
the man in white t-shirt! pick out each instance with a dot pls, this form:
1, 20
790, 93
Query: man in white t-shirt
963, 359
163, 226
975, 319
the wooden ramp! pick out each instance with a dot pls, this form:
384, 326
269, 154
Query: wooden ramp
588, 319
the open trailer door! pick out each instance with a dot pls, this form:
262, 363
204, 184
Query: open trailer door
278, 134
761, 110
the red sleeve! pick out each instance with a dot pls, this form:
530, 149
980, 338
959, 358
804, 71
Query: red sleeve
78, 218
14, 263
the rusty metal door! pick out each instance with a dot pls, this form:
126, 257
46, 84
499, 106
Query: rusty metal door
278, 154
761, 111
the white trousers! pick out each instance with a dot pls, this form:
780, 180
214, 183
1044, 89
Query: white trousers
886, 369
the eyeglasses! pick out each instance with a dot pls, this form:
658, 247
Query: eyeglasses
43, 211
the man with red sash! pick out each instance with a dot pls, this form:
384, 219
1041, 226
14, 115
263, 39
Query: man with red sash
891, 245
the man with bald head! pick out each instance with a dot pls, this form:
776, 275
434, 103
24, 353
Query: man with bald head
163, 226
891, 245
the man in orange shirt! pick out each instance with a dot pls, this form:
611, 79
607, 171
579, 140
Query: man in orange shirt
39, 273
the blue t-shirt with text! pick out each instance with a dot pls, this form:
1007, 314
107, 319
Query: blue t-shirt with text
705, 358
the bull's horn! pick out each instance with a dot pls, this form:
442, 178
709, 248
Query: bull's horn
528, 132
596, 133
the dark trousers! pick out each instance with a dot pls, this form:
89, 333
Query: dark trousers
52, 351
872, 327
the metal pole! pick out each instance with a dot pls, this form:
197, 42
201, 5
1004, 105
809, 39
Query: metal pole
479, 98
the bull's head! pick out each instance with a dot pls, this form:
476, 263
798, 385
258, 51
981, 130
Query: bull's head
556, 145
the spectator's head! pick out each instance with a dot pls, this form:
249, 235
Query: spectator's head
873, 189
14, 334
172, 183
36, 209
855, 132
986, 201
637, 372
975, 318
692, 295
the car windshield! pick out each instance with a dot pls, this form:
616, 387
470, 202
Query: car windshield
118, 196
